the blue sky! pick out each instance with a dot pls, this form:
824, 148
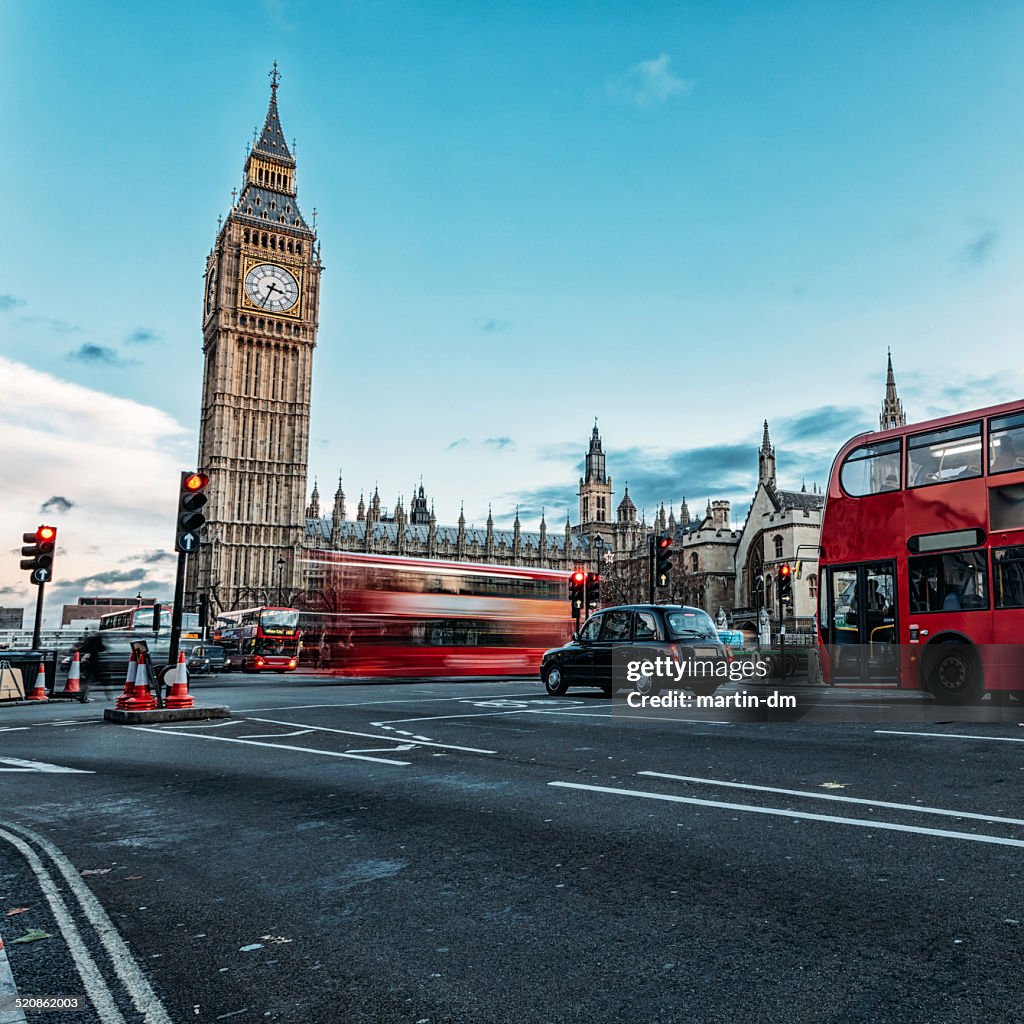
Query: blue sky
681, 219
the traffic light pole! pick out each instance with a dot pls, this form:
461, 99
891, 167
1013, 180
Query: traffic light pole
179, 600
650, 569
37, 628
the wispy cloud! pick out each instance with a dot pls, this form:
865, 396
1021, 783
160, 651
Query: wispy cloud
58, 503
8, 302
142, 336
978, 250
649, 83
458, 443
490, 324
97, 355
500, 443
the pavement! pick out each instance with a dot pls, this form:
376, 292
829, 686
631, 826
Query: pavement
477, 851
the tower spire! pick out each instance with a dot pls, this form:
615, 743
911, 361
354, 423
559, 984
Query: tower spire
892, 414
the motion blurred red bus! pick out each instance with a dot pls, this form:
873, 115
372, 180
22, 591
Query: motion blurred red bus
922, 557
394, 616
259, 639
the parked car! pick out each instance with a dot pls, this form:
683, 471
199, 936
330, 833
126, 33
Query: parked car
614, 643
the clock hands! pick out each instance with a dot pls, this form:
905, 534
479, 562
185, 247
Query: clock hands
273, 288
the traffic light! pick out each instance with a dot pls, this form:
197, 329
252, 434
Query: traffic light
577, 585
663, 560
593, 589
37, 553
785, 583
191, 518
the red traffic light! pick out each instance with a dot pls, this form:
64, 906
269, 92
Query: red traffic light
784, 569
664, 542
45, 533
578, 576
195, 482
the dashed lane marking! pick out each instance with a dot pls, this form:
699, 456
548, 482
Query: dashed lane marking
273, 746
374, 703
886, 826
370, 736
917, 808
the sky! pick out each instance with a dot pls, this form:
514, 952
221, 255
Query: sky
679, 218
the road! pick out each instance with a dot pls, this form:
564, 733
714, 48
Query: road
479, 852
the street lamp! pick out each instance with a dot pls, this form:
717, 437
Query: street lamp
281, 563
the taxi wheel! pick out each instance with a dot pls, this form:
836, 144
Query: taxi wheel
647, 686
554, 682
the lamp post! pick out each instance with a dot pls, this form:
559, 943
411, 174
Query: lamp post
281, 563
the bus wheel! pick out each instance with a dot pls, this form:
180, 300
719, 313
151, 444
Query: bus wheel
954, 674
554, 682
789, 666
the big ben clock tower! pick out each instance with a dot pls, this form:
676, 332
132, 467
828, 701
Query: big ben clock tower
260, 305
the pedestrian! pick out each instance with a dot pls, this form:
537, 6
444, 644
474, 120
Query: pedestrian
89, 653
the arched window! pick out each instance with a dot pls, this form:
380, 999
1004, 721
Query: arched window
693, 562
778, 546
768, 592
247, 234
812, 586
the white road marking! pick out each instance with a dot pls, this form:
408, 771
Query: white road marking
950, 736
276, 735
803, 815
385, 750
369, 736
446, 718
273, 746
95, 987
18, 765
375, 703
16, 728
206, 725
142, 995
918, 808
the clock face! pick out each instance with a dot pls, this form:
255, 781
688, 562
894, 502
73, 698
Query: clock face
271, 288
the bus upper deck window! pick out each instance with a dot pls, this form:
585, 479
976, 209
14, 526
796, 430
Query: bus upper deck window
1006, 443
872, 469
953, 453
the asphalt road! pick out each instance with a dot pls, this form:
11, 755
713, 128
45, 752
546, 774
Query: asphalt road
480, 852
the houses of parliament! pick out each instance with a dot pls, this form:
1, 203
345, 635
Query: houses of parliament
260, 320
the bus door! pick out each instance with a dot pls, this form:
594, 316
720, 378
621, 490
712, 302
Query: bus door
861, 622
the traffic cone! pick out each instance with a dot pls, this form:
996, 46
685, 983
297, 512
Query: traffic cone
141, 699
179, 697
72, 687
39, 693
129, 684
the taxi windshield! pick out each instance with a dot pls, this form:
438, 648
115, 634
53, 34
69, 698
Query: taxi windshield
691, 622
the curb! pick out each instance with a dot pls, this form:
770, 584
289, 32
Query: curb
164, 715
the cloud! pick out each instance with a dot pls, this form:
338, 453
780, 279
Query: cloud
458, 443
97, 355
58, 503
831, 425
500, 443
142, 336
152, 557
977, 251
49, 323
489, 324
106, 577
649, 83
8, 302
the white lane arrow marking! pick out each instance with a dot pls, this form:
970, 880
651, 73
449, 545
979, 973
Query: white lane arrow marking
385, 750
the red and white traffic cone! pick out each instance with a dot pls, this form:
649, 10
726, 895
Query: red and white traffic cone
129, 684
72, 687
141, 698
179, 697
39, 693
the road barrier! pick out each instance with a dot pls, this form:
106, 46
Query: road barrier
72, 687
141, 699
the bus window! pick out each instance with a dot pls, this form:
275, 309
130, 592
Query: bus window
950, 582
1008, 578
872, 469
953, 453
1006, 443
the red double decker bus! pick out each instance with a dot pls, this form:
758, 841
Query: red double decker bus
259, 639
922, 557
412, 617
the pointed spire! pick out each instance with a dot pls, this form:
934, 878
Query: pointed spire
803, 485
272, 141
766, 443
766, 460
490, 518
892, 408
